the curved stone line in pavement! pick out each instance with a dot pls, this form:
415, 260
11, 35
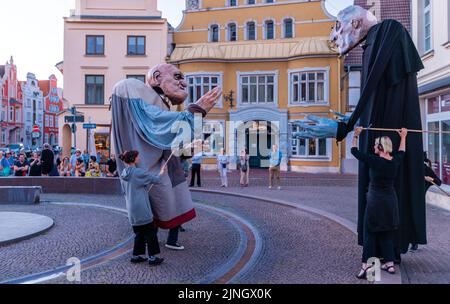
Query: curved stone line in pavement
237, 265
244, 258
385, 278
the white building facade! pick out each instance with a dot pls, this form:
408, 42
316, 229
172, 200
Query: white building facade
431, 33
33, 112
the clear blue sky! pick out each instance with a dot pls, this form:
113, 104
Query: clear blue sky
34, 36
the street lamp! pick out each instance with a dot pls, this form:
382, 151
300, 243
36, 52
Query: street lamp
229, 98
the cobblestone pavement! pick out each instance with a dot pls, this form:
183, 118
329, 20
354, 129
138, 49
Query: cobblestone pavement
430, 264
296, 246
78, 232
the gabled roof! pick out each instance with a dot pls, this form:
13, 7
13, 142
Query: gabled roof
44, 85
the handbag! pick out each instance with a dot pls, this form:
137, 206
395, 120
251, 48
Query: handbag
224, 166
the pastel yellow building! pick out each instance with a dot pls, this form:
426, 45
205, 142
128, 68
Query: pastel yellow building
106, 41
275, 64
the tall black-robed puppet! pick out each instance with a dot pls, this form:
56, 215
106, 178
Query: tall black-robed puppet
389, 99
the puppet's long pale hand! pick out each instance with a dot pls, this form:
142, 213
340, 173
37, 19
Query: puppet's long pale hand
322, 127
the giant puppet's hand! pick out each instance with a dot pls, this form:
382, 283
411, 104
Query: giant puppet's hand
207, 101
322, 128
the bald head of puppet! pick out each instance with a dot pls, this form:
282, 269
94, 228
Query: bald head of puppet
352, 25
168, 80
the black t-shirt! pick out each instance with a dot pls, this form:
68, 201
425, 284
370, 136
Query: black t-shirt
112, 165
18, 164
36, 169
380, 169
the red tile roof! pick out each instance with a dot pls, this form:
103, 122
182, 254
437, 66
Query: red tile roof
44, 85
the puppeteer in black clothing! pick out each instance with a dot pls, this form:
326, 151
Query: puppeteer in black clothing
381, 216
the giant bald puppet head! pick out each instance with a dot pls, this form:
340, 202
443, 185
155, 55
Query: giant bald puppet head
352, 26
168, 80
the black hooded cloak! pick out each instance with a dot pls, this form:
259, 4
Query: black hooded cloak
389, 99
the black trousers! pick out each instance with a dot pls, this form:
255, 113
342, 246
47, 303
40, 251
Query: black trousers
195, 171
146, 235
172, 237
374, 242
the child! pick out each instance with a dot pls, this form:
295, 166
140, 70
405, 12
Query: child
135, 183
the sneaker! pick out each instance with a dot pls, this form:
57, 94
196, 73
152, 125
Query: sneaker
155, 261
175, 246
279, 187
414, 247
270, 187
182, 229
137, 259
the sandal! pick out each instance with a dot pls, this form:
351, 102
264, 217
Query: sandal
388, 269
362, 275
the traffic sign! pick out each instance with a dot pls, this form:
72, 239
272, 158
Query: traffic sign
74, 119
90, 126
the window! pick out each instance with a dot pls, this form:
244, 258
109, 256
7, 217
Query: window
138, 77
199, 85
28, 103
232, 2
427, 26
11, 114
50, 121
56, 122
438, 104
18, 116
95, 89
251, 30
269, 29
28, 116
46, 138
232, 32
95, 45
136, 45
46, 121
310, 148
214, 33
354, 89
288, 28
257, 88
251, 1
308, 87
214, 135
39, 119
3, 136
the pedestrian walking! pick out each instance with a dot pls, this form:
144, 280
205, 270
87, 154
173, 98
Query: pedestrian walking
274, 169
196, 169
222, 167
244, 168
